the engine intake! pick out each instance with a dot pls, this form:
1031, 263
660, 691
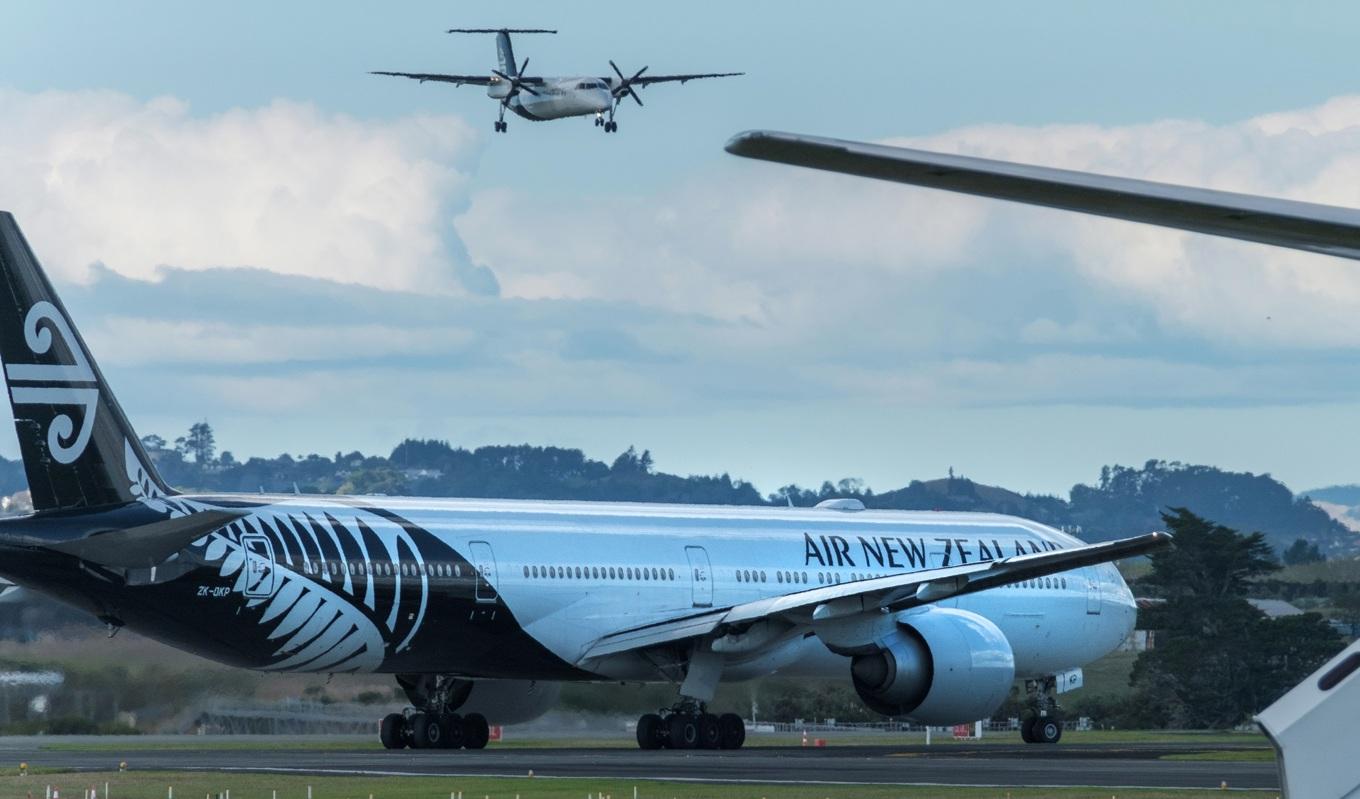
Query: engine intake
939, 666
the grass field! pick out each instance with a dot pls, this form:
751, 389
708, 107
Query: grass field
186, 785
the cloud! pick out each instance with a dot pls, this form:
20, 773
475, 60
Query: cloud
100, 176
816, 253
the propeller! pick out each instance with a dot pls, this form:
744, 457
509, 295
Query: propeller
625, 86
517, 82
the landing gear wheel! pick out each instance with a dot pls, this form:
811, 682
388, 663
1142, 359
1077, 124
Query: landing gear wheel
451, 727
426, 732
476, 732
502, 127
684, 731
390, 731
1047, 730
649, 734
1027, 729
710, 732
733, 730
611, 126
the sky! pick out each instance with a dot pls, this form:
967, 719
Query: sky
250, 229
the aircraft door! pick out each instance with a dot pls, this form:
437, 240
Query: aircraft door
259, 565
1092, 592
701, 576
485, 562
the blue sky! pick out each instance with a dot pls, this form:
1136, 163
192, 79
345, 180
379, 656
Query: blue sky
302, 253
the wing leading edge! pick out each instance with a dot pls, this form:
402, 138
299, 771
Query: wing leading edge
1326, 229
892, 593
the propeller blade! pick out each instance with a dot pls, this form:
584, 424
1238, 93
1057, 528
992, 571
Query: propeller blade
634, 95
526, 87
637, 74
524, 66
617, 71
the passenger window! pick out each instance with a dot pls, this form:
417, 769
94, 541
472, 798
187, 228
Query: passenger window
671, 572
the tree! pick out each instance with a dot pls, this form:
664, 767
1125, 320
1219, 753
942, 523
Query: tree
1208, 559
1302, 551
1217, 658
199, 443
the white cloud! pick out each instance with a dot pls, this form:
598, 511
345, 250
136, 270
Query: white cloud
809, 253
99, 176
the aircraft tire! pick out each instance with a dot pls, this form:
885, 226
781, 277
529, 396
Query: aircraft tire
452, 731
1047, 730
683, 731
733, 730
476, 731
425, 731
710, 732
390, 731
649, 729
1027, 729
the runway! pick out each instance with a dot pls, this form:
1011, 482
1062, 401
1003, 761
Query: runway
1106, 765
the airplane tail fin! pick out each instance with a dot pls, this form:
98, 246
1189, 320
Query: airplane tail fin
505, 53
77, 446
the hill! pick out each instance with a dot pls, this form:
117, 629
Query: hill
1124, 500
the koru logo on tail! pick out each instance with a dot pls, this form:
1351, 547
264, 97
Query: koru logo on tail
62, 384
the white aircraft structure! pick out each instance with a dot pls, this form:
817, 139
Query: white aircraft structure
544, 98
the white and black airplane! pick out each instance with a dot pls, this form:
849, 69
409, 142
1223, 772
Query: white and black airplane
541, 99
483, 607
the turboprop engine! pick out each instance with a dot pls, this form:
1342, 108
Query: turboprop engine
936, 666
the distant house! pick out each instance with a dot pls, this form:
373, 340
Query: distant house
1275, 608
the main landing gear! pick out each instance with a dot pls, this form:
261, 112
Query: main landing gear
501, 127
432, 723
609, 125
689, 725
420, 730
1042, 723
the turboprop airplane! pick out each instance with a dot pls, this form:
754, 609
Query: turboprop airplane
540, 99
482, 607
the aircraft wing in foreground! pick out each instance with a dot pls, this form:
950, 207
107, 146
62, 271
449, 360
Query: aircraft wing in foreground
1326, 229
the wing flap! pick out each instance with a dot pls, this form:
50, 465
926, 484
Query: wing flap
1326, 229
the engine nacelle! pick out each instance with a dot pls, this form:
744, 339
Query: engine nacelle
939, 666
511, 701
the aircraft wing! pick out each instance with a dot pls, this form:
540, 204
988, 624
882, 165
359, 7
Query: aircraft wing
457, 80
1326, 229
892, 593
647, 80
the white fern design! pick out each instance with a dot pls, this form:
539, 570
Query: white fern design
314, 613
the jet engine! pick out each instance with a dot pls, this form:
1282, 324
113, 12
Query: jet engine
939, 666
511, 701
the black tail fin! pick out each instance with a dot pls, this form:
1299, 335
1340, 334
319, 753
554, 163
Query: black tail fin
78, 449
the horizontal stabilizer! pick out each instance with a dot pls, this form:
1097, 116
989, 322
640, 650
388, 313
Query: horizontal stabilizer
147, 545
499, 30
1326, 229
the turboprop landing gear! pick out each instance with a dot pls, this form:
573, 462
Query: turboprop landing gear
1043, 722
501, 127
431, 723
689, 725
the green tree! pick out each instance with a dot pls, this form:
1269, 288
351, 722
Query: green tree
199, 443
1208, 560
1217, 659
1303, 551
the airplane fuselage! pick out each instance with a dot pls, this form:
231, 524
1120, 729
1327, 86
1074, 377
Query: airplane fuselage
521, 589
556, 98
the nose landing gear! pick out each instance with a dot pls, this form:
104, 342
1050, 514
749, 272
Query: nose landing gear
1043, 720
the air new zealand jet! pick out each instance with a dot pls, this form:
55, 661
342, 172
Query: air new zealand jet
481, 608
